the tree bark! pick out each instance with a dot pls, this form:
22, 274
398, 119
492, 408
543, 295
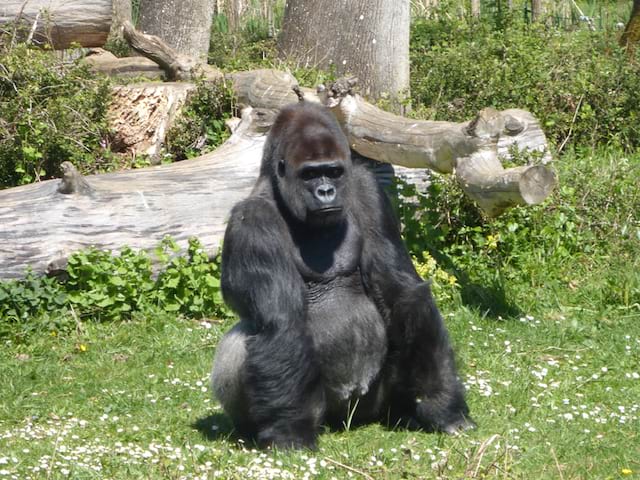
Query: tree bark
475, 8
121, 13
365, 38
631, 35
185, 25
233, 10
537, 10
59, 23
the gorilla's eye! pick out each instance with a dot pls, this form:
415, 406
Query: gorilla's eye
281, 168
334, 172
310, 174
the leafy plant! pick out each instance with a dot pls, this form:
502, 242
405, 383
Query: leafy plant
49, 112
110, 287
106, 286
189, 284
201, 126
579, 84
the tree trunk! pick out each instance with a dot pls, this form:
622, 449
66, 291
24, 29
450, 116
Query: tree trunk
537, 10
121, 13
233, 10
631, 35
475, 8
185, 25
59, 23
365, 38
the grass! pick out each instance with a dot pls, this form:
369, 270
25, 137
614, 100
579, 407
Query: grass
554, 397
554, 388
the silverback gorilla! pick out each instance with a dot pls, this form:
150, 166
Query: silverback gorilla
333, 316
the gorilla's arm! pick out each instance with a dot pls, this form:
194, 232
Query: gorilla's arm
261, 283
425, 367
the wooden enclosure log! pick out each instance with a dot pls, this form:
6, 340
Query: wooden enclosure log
43, 223
472, 151
59, 23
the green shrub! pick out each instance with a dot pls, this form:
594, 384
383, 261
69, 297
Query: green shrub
189, 284
579, 84
106, 287
201, 126
588, 229
49, 112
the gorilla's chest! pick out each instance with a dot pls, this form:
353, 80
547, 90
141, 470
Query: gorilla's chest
325, 254
348, 334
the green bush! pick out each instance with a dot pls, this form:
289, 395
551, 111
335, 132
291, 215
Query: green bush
107, 287
201, 126
579, 84
588, 229
49, 112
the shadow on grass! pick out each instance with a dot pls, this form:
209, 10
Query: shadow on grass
217, 426
489, 299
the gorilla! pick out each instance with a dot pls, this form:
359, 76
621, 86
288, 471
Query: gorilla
335, 323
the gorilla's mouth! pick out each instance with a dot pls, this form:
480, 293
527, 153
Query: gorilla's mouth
328, 211
325, 216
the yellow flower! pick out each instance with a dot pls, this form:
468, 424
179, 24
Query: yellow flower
627, 471
82, 347
492, 241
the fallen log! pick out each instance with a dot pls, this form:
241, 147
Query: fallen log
59, 23
472, 151
43, 223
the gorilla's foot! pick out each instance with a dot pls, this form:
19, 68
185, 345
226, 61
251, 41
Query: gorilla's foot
458, 426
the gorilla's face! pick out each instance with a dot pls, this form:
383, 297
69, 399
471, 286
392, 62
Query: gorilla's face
318, 189
313, 170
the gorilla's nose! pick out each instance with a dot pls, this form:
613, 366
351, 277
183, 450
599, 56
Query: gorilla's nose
326, 193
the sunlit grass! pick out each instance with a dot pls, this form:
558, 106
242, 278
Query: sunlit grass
552, 397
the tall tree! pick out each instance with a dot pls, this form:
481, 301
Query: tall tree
365, 38
121, 13
475, 8
631, 35
184, 25
537, 10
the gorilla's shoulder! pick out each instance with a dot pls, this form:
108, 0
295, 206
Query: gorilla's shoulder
255, 210
254, 206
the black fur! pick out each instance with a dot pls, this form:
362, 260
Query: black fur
333, 314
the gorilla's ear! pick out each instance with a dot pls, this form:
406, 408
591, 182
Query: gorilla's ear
281, 167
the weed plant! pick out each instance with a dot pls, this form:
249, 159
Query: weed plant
105, 287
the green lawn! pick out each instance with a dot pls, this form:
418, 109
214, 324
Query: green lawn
545, 322
554, 397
